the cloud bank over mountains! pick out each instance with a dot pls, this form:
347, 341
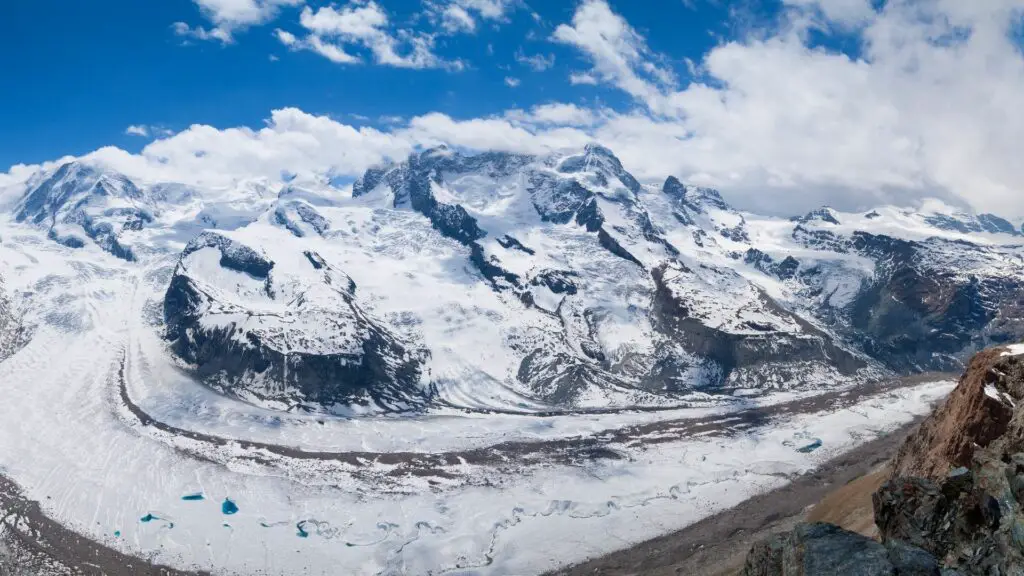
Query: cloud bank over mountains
777, 118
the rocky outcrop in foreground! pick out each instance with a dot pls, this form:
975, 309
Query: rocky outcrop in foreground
955, 503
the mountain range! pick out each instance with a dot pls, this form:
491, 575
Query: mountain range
499, 281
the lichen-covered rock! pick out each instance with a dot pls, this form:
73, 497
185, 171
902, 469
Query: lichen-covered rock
910, 560
819, 550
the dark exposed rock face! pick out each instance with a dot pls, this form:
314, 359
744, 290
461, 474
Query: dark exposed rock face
315, 351
970, 521
784, 270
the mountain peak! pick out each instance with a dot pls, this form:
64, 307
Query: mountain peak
702, 198
674, 188
823, 214
598, 150
602, 163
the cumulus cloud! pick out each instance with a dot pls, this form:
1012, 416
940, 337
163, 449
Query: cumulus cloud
619, 54
333, 32
295, 142
229, 16
292, 141
492, 134
512, 82
555, 113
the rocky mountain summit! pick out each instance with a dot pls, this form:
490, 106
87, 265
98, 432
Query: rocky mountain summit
540, 283
955, 502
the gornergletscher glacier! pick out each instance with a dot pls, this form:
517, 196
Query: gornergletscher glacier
469, 363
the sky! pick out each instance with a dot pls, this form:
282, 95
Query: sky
784, 105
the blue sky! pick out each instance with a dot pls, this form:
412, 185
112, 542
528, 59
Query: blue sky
783, 105
77, 73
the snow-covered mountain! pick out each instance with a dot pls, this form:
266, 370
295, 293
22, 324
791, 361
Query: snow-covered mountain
79, 203
516, 282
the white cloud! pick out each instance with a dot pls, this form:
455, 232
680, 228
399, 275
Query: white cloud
137, 130
332, 32
147, 130
356, 21
328, 50
492, 134
200, 33
619, 55
229, 16
846, 13
512, 82
291, 141
538, 62
296, 142
556, 113
286, 38
455, 18
461, 16
488, 9
583, 79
